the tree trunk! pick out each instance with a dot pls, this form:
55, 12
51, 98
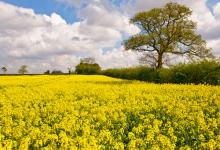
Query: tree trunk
159, 61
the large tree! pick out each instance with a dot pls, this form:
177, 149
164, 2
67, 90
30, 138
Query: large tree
164, 31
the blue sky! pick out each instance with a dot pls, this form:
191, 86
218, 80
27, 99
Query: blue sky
48, 7
69, 13
212, 2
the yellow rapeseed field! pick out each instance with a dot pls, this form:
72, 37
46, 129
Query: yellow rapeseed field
98, 112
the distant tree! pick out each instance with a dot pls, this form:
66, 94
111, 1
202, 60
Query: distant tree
47, 72
83, 68
87, 66
23, 69
167, 31
4, 69
57, 72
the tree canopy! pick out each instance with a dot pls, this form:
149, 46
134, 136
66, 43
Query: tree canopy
164, 31
4, 69
87, 66
23, 69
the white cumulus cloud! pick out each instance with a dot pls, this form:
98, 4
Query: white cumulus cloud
48, 42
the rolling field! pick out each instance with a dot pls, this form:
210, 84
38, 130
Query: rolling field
98, 112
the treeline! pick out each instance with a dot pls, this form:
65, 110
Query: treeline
87, 66
206, 72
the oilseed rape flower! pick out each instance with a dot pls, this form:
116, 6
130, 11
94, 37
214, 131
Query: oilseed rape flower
99, 112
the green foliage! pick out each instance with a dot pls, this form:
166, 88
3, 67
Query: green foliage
57, 72
167, 30
23, 69
137, 73
47, 72
87, 68
213, 77
205, 72
4, 69
200, 72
